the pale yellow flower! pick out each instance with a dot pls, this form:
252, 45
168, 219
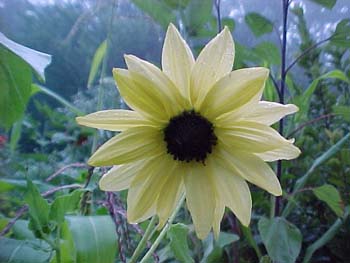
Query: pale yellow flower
196, 128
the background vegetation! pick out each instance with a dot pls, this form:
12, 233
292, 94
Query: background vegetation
51, 209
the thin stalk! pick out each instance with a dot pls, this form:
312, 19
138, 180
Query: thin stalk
217, 4
285, 5
306, 51
163, 232
146, 236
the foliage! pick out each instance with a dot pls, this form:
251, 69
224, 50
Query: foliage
43, 175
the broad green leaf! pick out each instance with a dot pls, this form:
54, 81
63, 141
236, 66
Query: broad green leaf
67, 247
281, 238
64, 204
229, 22
341, 36
326, 3
5, 186
38, 208
303, 101
197, 13
268, 52
329, 194
265, 259
94, 238
15, 89
243, 55
177, 235
20, 230
177, 4
326, 237
37, 60
28, 251
213, 250
96, 62
344, 111
158, 10
258, 24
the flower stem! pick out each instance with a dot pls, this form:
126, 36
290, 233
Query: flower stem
146, 236
164, 231
285, 5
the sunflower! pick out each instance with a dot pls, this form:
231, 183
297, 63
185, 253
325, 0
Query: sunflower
196, 128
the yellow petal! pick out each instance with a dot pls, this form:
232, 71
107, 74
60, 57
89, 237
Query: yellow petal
218, 214
120, 176
170, 194
233, 91
114, 120
144, 99
214, 62
234, 192
153, 77
268, 113
131, 145
146, 186
177, 60
286, 152
251, 137
200, 198
251, 168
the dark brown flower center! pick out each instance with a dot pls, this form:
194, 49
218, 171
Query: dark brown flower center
189, 136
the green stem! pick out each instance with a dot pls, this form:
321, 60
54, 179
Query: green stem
248, 235
326, 237
164, 231
58, 248
146, 236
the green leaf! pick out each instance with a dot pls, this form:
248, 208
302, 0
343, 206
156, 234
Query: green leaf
15, 134
301, 182
329, 194
258, 24
67, 247
197, 14
303, 101
94, 238
177, 235
158, 10
64, 204
28, 251
282, 239
268, 52
38, 208
226, 239
177, 4
326, 3
97, 61
37, 60
15, 89
213, 250
229, 22
344, 111
21, 230
265, 259
341, 36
